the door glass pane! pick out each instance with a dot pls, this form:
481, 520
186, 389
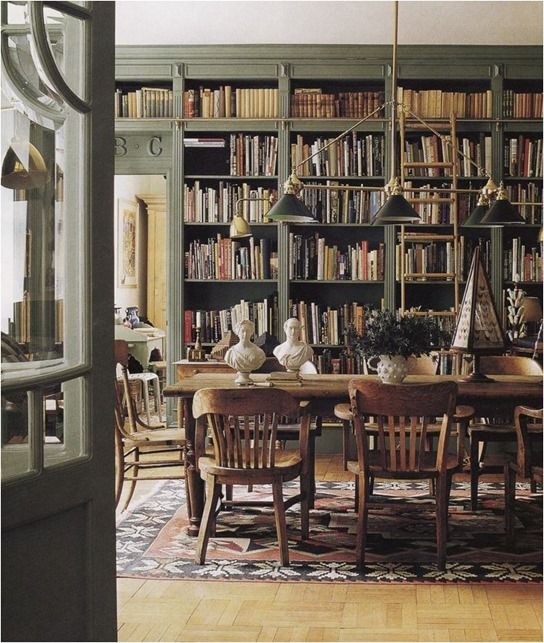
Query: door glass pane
32, 241
43, 312
63, 29
16, 453
64, 410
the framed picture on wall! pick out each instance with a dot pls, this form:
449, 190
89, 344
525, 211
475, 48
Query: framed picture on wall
127, 244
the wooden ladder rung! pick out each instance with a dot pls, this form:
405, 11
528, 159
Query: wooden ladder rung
427, 237
423, 164
430, 200
430, 275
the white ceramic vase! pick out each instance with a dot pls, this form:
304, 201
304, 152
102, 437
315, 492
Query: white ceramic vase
392, 369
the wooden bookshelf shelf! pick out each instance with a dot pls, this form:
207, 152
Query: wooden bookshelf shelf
494, 92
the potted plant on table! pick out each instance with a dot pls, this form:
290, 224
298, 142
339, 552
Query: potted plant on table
392, 339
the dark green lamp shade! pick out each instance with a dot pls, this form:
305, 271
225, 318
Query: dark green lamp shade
396, 210
290, 209
502, 212
477, 215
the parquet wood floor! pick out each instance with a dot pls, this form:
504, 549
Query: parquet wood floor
162, 610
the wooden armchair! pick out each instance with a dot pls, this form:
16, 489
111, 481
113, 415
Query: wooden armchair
139, 446
487, 430
528, 463
244, 428
401, 416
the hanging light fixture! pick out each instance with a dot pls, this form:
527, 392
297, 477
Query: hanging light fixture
396, 208
239, 227
502, 212
479, 212
23, 167
289, 208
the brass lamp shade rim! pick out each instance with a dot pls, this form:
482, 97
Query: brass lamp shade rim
502, 212
290, 209
239, 228
16, 175
396, 209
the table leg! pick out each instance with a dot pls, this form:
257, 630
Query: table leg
194, 485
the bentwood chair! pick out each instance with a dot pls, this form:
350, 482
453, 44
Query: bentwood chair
496, 429
401, 416
528, 462
138, 446
244, 429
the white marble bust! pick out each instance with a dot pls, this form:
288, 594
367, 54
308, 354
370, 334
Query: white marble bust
293, 352
244, 356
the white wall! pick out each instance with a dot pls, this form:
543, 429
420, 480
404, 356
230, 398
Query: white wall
127, 187
324, 22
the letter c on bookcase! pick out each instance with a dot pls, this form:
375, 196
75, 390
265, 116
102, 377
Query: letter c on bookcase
154, 146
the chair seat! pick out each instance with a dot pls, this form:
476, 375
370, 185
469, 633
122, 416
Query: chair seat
158, 435
427, 467
284, 469
343, 411
482, 429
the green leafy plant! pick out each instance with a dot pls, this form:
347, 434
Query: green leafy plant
385, 333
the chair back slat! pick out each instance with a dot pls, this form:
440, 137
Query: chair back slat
413, 443
403, 414
402, 442
244, 424
392, 443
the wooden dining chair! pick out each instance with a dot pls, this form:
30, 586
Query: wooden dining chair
528, 462
422, 365
138, 446
244, 430
494, 429
401, 416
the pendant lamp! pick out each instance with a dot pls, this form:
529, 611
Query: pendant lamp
289, 208
396, 208
479, 211
502, 212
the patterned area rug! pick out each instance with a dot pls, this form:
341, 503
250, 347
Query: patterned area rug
152, 543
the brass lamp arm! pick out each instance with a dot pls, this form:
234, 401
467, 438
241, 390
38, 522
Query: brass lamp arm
446, 140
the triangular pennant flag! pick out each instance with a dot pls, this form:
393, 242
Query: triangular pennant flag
478, 329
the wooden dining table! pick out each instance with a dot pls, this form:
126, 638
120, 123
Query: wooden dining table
323, 392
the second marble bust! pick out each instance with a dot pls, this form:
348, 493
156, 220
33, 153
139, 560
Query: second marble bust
244, 356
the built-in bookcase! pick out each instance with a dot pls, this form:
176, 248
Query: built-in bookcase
241, 118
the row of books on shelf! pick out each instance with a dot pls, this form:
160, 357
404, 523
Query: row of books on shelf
218, 205
328, 325
146, 102
342, 206
426, 261
521, 104
214, 324
312, 102
427, 149
522, 262
354, 155
435, 212
349, 362
231, 102
523, 156
227, 101
478, 150
224, 258
436, 103
528, 200
253, 155
311, 258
